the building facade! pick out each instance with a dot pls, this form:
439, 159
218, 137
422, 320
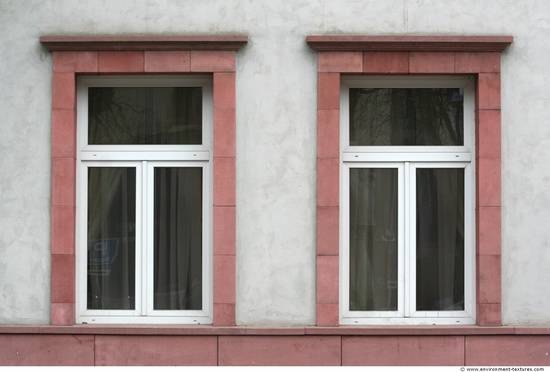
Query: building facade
274, 183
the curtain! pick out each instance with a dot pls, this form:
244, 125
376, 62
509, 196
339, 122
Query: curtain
373, 239
440, 239
111, 238
155, 116
145, 115
178, 239
406, 117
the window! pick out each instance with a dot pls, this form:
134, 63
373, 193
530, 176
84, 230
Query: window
403, 56
144, 199
144, 56
407, 215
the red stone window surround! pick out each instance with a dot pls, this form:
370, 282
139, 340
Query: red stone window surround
141, 55
407, 55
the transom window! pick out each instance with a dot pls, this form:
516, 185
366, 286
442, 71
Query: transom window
144, 222
407, 200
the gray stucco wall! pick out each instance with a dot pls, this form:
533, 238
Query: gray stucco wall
276, 136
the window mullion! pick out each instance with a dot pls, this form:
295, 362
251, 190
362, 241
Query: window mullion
408, 251
145, 239
401, 259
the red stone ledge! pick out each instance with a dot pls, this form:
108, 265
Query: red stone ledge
410, 43
176, 330
126, 43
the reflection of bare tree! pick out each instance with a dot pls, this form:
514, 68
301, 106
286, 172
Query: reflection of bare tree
406, 116
152, 115
113, 116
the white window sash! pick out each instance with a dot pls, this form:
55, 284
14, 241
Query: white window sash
354, 317
464, 82
206, 249
406, 313
84, 315
144, 158
408, 158
85, 82
469, 241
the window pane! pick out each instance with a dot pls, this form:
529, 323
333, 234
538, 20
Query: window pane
440, 239
373, 239
406, 116
178, 239
111, 238
145, 116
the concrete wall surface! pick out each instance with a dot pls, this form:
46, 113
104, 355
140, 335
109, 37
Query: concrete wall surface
276, 136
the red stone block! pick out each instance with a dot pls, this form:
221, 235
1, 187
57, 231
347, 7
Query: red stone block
213, 61
224, 279
431, 62
279, 351
327, 279
224, 132
62, 314
224, 90
63, 133
63, 271
327, 315
475, 62
73, 61
386, 62
224, 181
224, 230
488, 182
488, 134
488, 279
63, 181
328, 225
125, 61
224, 315
488, 230
155, 350
489, 315
403, 351
328, 182
340, 62
328, 133
46, 350
62, 229
507, 350
488, 91
167, 61
63, 91
328, 91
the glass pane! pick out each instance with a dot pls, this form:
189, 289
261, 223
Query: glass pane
145, 116
373, 239
178, 239
406, 116
111, 238
440, 239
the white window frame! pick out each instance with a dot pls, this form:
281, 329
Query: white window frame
406, 159
144, 158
